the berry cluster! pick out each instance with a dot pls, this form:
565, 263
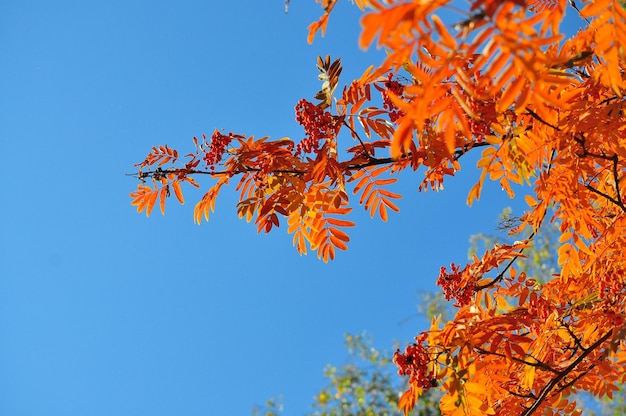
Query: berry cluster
540, 307
216, 148
486, 110
453, 285
396, 89
414, 363
481, 104
318, 125
615, 319
611, 287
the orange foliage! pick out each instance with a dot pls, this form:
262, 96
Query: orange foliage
548, 110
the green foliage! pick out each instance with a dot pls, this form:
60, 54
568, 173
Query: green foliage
617, 406
272, 407
366, 384
360, 386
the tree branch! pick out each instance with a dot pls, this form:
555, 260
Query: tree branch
372, 162
184, 171
541, 120
614, 159
538, 364
556, 380
356, 135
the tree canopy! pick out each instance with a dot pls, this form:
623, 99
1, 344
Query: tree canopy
545, 109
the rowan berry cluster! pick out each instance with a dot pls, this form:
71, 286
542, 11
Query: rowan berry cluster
216, 148
483, 107
540, 307
611, 287
615, 319
414, 363
610, 293
396, 89
486, 111
453, 285
318, 124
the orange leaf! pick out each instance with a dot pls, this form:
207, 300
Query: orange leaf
162, 196
382, 210
337, 242
150, 201
339, 234
388, 181
340, 223
532, 202
511, 92
402, 138
178, 192
315, 26
390, 204
408, 400
389, 194
446, 39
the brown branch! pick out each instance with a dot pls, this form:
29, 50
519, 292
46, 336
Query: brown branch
571, 334
523, 396
159, 171
541, 120
614, 159
356, 135
346, 166
616, 180
467, 147
372, 162
572, 3
574, 380
608, 100
586, 152
607, 196
500, 275
539, 364
556, 380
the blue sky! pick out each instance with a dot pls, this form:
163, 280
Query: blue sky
106, 312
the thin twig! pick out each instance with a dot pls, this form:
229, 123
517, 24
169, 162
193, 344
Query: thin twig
616, 180
356, 135
538, 364
541, 120
573, 4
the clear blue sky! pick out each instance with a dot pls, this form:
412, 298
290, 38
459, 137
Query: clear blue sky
106, 312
